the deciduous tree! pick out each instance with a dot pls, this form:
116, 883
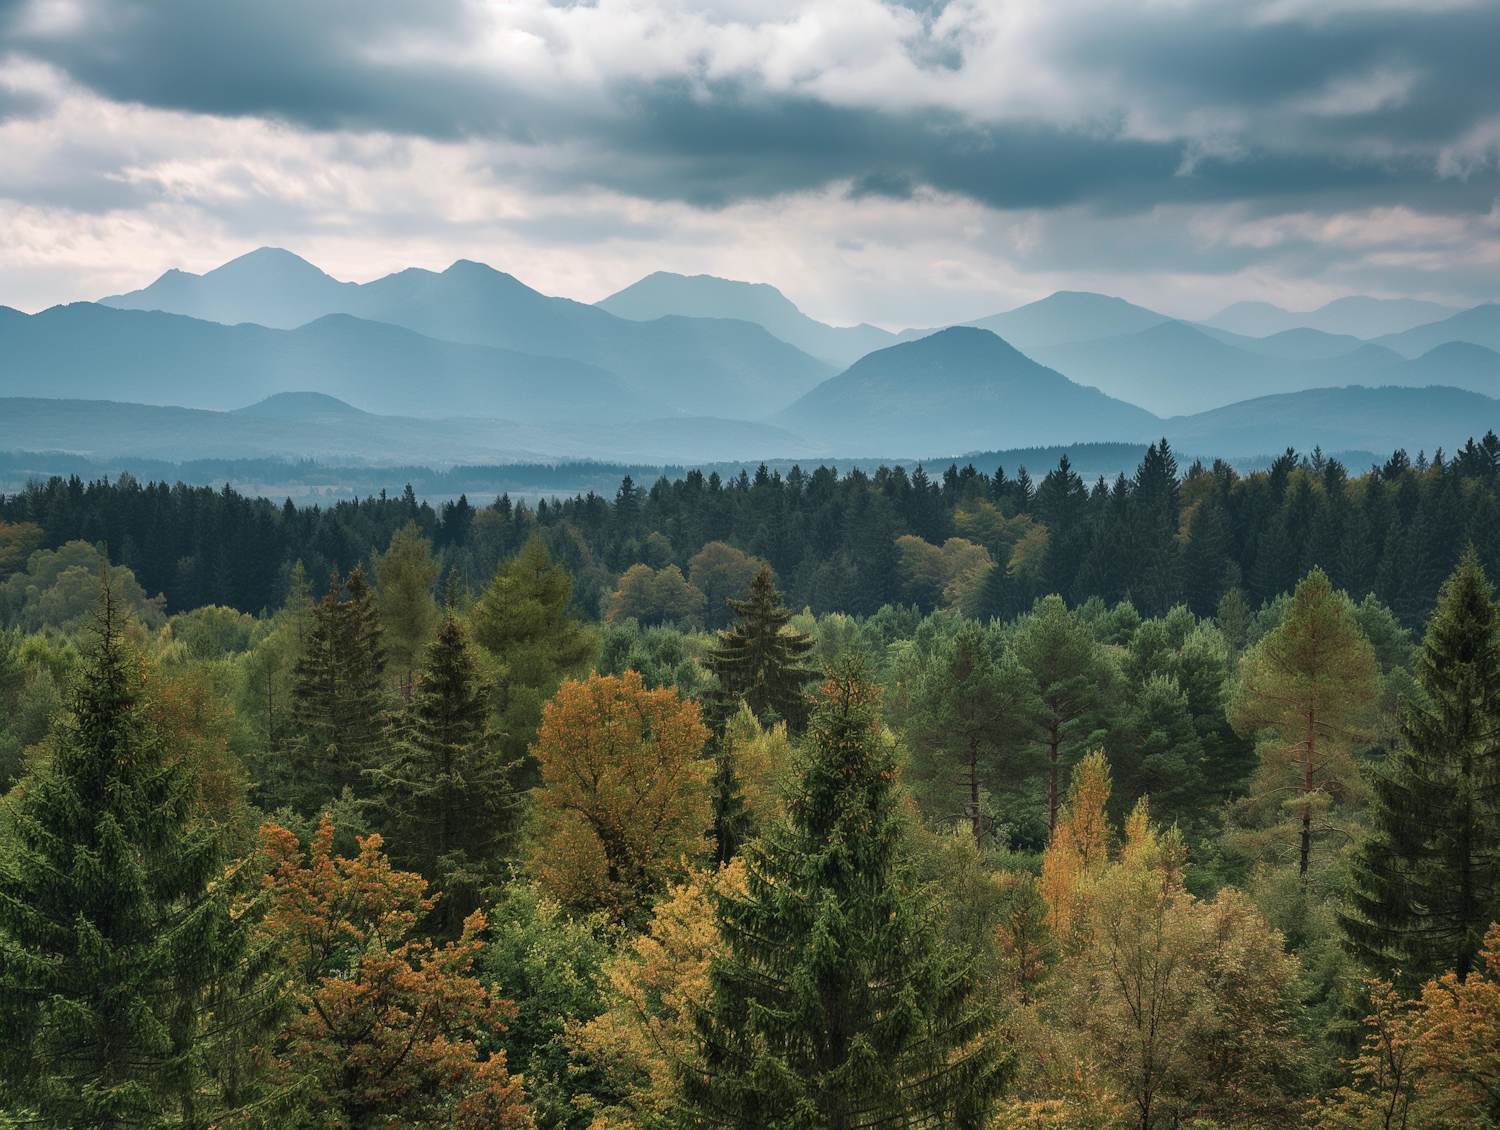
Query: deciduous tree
389, 1028
624, 798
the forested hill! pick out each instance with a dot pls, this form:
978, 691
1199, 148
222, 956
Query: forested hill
987, 543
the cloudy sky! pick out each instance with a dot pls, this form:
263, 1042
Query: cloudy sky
901, 163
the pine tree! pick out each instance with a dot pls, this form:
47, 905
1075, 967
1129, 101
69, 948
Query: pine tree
762, 660
970, 711
446, 792
1426, 882
1074, 682
119, 939
837, 1005
337, 696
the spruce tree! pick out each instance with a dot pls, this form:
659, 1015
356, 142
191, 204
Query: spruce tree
762, 660
446, 793
1426, 881
836, 1004
118, 937
337, 696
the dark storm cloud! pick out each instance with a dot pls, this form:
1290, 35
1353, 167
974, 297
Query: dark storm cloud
1213, 106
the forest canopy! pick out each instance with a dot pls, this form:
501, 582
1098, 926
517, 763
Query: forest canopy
777, 804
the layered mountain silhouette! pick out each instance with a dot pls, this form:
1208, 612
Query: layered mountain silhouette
296, 426
1356, 316
1339, 419
961, 389
701, 366
1479, 326
90, 351
664, 294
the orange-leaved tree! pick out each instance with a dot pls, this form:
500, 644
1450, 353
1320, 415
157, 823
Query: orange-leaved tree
624, 800
1431, 1063
388, 1028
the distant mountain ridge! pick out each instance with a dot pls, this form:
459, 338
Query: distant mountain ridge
701, 366
1357, 316
706, 296
94, 352
963, 388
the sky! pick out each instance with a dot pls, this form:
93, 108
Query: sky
898, 163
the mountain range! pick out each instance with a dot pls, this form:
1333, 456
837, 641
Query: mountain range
471, 362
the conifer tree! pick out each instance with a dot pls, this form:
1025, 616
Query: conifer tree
446, 791
524, 621
337, 696
970, 711
1313, 680
1073, 679
118, 936
762, 660
408, 611
1426, 882
836, 1004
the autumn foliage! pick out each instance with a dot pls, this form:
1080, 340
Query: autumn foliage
625, 801
388, 1028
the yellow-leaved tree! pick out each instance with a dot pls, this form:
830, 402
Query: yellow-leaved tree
1163, 1007
657, 985
624, 800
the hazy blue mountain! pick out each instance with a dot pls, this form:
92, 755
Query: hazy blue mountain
699, 366
303, 408
707, 296
1480, 326
1372, 419
1356, 315
1301, 344
1172, 369
1069, 316
88, 351
269, 287
961, 389
297, 426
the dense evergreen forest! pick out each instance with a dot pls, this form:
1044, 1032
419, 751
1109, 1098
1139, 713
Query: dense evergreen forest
780, 803
839, 543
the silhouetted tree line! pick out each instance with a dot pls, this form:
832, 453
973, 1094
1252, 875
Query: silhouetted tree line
1159, 538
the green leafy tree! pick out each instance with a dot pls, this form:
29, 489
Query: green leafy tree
523, 620
1074, 682
763, 660
446, 794
123, 969
970, 713
837, 1005
1313, 679
1426, 881
337, 697
405, 573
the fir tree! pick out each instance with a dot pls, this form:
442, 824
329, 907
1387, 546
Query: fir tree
408, 612
837, 1005
118, 937
337, 695
1426, 882
446, 791
762, 660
